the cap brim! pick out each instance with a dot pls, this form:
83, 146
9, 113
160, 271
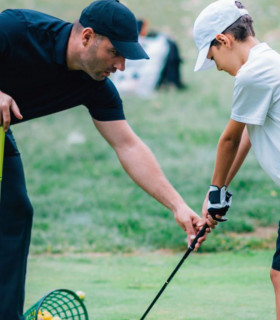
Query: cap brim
130, 50
202, 62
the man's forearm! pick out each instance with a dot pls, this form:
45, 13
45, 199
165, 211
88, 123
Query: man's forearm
141, 165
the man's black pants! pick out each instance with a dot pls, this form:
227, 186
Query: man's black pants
15, 229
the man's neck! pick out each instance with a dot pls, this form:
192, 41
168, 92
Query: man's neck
72, 54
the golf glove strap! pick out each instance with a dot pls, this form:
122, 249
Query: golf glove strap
219, 202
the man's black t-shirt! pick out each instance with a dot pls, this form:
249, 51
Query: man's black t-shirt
34, 73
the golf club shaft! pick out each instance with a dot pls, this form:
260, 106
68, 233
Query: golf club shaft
190, 249
2, 142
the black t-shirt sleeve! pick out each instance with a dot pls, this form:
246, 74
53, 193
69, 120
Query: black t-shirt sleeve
104, 103
12, 29
5, 25
3, 40
6, 29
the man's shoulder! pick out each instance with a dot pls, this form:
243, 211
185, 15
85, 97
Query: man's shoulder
27, 18
10, 20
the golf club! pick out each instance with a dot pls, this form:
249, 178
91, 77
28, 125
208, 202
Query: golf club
190, 249
2, 142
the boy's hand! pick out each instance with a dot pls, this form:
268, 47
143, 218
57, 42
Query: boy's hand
219, 202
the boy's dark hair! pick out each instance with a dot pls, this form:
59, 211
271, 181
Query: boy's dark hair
241, 29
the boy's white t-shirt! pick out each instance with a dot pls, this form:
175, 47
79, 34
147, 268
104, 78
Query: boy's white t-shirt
256, 102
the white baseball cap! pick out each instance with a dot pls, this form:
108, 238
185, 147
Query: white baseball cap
214, 19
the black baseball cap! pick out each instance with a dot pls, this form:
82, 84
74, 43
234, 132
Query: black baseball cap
115, 21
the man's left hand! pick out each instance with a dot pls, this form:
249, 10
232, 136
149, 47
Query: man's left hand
191, 223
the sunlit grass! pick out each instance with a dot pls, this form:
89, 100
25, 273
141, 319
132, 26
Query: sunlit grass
120, 287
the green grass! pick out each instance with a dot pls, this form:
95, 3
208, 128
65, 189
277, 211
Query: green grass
83, 200
85, 203
120, 287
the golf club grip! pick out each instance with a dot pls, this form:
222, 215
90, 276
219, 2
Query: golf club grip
199, 235
190, 249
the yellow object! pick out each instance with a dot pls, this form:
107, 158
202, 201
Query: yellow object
39, 315
81, 295
46, 315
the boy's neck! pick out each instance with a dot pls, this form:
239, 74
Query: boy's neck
244, 49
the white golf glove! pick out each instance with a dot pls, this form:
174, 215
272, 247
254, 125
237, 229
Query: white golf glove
219, 202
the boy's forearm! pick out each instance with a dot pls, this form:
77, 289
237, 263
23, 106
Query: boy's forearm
242, 152
226, 152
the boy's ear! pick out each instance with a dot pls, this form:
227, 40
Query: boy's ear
223, 39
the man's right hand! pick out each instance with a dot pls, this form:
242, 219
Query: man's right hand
8, 104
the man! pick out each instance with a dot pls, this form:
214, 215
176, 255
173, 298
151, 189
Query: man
48, 65
224, 35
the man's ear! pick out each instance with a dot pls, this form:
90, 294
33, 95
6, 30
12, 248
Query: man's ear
87, 36
224, 39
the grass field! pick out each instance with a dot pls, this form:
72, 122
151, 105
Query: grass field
84, 202
215, 286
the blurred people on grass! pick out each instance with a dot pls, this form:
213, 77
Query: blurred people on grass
162, 71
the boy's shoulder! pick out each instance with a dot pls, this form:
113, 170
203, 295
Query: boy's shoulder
263, 64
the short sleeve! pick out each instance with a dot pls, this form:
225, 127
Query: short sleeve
251, 99
104, 102
4, 26
12, 31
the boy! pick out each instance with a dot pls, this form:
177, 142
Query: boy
224, 35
